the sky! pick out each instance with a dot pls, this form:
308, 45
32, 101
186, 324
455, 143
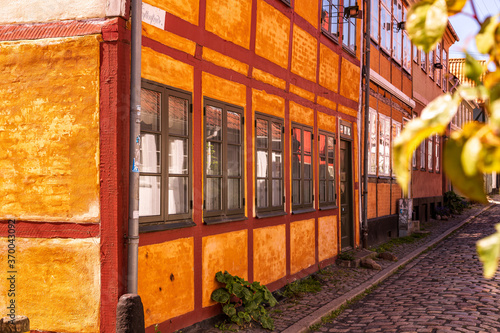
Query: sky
466, 27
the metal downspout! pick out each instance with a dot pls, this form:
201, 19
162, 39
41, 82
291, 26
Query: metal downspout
366, 68
135, 123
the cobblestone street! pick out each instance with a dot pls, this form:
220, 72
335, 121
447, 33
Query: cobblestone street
441, 291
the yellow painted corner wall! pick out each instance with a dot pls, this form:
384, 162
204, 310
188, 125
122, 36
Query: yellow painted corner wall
350, 80
308, 9
269, 249
327, 122
166, 279
230, 20
327, 237
223, 252
187, 10
154, 65
265, 77
304, 51
302, 245
328, 68
57, 283
223, 90
224, 61
268, 103
301, 114
273, 34
49, 129
168, 38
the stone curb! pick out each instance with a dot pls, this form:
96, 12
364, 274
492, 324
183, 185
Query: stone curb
302, 325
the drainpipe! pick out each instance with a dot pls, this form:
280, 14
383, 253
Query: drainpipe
135, 128
366, 67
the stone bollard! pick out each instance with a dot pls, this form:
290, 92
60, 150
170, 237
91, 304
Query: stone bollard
130, 314
19, 324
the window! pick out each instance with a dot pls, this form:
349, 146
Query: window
374, 20
414, 156
422, 155
423, 60
445, 71
327, 194
349, 29
396, 34
396, 130
302, 168
269, 164
430, 154
384, 149
438, 61
438, 151
385, 25
165, 165
406, 52
431, 64
415, 54
224, 199
330, 17
372, 146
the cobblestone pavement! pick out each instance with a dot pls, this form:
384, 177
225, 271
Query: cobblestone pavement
441, 291
337, 281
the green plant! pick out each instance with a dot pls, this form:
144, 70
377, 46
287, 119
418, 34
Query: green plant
475, 150
299, 287
243, 301
388, 246
455, 203
224, 326
347, 255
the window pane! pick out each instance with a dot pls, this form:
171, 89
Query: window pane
177, 116
213, 194
213, 123
331, 191
322, 168
150, 110
322, 145
262, 193
307, 191
322, 191
150, 153
331, 147
262, 166
296, 140
296, 192
331, 170
177, 195
233, 160
233, 127
307, 142
178, 156
374, 19
262, 138
277, 136
214, 158
233, 193
277, 192
277, 165
296, 166
307, 167
149, 195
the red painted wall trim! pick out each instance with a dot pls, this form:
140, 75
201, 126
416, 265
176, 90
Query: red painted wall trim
31, 229
114, 129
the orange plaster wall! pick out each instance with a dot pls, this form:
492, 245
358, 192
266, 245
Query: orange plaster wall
308, 9
169, 39
327, 122
301, 114
268, 78
350, 80
302, 245
267, 103
224, 61
223, 90
328, 68
273, 34
302, 93
372, 200
223, 252
326, 102
304, 50
185, 9
327, 237
230, 20
49, 129
269, 254
396, 195
154, 65
384, 196
166, 279
348, 111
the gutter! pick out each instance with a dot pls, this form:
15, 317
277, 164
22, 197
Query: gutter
134, 145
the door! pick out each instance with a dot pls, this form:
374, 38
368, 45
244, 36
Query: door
346, 211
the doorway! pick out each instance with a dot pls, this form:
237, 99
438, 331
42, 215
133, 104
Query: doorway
346, 211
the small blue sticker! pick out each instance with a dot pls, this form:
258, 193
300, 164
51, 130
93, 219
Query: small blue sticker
137, 139
134, 167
